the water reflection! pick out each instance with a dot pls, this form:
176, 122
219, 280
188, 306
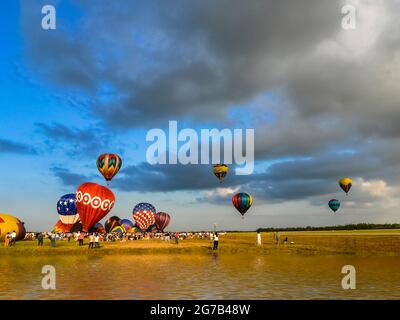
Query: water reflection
213, 276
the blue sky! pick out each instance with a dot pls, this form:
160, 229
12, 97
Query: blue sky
111, 72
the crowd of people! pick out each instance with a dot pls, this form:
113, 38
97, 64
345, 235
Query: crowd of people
96, 238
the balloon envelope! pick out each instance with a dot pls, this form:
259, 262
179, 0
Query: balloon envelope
220, 171
345, 184
94, 202
128, 225
144, 215
111, 223
334, 204
162, 220
242, 202
97, 228
8, 224
66, 208
109, 164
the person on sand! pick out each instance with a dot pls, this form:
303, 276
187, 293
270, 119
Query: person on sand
39, 238
91, 241
258, 238
216, 239
7, 240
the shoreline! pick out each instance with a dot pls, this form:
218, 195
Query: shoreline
307, 243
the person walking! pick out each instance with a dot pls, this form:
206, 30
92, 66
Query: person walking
258, 238
91, 241
216, 239
39, 238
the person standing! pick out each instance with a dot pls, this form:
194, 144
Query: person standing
96, 240
13, 238
80, 238
177, 237
216, 239
258, 238
53, 239
7, 240
39, 238
91, 241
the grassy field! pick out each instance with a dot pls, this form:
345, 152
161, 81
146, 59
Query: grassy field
365, 242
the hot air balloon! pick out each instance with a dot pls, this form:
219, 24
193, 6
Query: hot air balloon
97, 228
8, 224
66, 208
345, 184
111, 223
144, 215
162, 220
334, 204
128, 225
93, 202
119, 229
109, 165
220, 171
242, 202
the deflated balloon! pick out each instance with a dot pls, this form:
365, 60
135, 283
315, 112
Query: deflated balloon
242, 202
111, 223
128, 225
220, 171
8, 224
109, 164
94, 202
345, 184
97, 228
66, 208
334, 204
162, 220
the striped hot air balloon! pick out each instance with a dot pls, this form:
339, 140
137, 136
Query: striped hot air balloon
144, 215
242, 201
162, 220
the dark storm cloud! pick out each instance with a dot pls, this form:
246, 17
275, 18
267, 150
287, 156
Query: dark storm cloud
68, 178
8, 146
334, 90
76, 142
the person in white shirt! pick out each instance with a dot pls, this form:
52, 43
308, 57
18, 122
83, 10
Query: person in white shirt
13, 238
96, 240
215, 241
258, 238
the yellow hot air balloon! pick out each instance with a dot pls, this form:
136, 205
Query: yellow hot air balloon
345, 184
220, 171
8, 224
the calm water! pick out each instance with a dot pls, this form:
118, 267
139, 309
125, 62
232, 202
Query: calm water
224, 276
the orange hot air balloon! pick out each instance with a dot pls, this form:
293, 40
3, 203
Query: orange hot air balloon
61, 227
109, 165
93, 202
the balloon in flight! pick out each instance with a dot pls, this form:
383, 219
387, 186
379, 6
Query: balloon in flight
220, 171
109, 164
334, 204
345, 184
242, 201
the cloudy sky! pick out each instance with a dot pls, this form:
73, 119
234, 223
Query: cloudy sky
324, 102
